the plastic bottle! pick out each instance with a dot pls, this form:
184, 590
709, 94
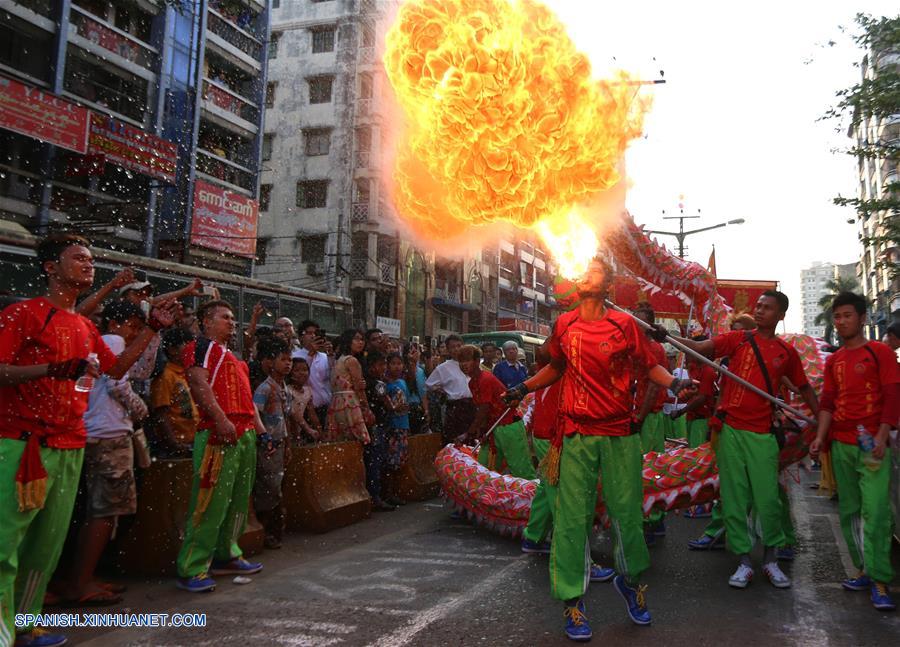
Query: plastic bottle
866, 444
86, 382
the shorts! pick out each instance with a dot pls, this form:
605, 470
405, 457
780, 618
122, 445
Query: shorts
109, 477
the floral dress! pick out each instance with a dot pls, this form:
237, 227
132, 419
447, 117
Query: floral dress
345, 416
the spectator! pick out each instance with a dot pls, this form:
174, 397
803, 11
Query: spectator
449, 379
443, 351
892, 337
376, 341
92, 303
510, 371
489, 352
398, 430
349, 414
273, 403
393, 346
418, 395
305, 424
175, 415
285, 327
110, 492
258, 367
189, 322
375, 452
44, 345
224, 454
319, 367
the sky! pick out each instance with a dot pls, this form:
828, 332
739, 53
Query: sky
735, 128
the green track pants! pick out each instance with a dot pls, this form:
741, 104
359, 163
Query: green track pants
215, 535
31, 542
748, 481
697, 431
865, 510
716, 527
540, 519
653, 439
511, 442
618, 459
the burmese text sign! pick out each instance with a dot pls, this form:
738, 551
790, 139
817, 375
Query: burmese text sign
223, 220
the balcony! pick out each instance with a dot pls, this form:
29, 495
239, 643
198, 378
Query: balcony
359, 269
37, 12
363, 160
103, 35
388, 273
231, 42
224, 170
124, 98
360, 213
229, 109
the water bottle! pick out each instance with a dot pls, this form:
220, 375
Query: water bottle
86, 382
866, 444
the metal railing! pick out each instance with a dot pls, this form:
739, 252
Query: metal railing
360, 212
113, 39
130, 104
359, 268
229, 31
224, 169
388, 273
41, 7
223, 97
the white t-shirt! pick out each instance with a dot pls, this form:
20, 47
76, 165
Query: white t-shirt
450, 378
106, 417
670, 407
319, 376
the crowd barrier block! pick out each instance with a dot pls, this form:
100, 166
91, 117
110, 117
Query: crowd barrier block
151, 543
417, 480
325, 487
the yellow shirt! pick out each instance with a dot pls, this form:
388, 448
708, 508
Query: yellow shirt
170, 391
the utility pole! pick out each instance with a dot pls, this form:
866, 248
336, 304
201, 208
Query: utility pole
681, 234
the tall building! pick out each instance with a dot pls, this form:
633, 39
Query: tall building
812, 286
878, 177
136, 121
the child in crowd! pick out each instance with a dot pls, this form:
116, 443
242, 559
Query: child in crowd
374, 454
398, 433
175, 415
273, 401
305, 424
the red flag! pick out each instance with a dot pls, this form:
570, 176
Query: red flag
711, 265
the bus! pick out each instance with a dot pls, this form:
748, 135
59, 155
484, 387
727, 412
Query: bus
22, 278
526, 341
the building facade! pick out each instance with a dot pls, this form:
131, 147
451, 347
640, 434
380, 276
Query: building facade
137, 122
878, 179
812, 286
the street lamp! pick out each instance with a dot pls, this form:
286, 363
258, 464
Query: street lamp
681, 234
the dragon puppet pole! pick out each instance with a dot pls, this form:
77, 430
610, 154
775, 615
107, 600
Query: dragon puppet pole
491, 430
721, 369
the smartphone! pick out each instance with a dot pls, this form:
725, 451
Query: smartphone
209, 291
145, 308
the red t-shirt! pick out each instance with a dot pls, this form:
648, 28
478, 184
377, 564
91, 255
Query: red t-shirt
546, 411
641, 371
854, 387
35, 332
706, 376
487, 389
600, 358
743, 408
230, 381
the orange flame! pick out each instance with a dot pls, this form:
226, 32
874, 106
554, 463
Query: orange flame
502, 122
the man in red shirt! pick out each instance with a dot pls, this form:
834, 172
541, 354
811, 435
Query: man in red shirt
44, 350
226, 442
700, 407
860, 405
508, 440
747, 455
594, 350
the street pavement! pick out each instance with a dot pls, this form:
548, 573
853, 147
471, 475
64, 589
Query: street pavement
418, 577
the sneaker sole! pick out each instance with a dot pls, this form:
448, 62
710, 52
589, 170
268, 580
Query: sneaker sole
642, 623
184, 587
603, 579
885, 607
780, 585
535, 551
854, 588
235, 571
739, 584
580, 638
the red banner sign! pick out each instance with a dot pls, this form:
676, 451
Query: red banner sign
223, 220
742, 295
41, 115
132, 148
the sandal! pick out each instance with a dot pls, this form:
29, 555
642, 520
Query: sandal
113, 587
101, 598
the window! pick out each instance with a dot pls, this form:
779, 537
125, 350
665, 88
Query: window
312, 194
312, 248
265, 194
364, 139
365, 86
271, 86
320, 89
363, 192
317, 142
273, 44
276, 4
368, 37
323, 40
267, 143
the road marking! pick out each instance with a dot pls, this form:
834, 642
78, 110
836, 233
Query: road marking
834, 521
425, 560
458, 556
405, 634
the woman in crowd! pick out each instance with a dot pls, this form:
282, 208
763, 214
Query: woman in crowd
415, 381
349, 412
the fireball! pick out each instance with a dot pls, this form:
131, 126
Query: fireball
502, 121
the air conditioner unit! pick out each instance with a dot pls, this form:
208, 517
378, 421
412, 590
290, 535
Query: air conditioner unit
315, 269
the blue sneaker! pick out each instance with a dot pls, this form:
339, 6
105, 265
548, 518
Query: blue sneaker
577, 627
698, 512
785, 554
529, 546
705, 542
40, 638
859, 583
634, 601
601, 573
197, 584
881, 597
237, 566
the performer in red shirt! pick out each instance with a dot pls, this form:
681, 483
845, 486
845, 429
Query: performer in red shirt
217, 516
508, 441
747, 455
593, 350
44, 349
700, 408
860, 405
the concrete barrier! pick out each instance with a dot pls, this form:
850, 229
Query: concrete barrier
325, 487
417, 480
151, 543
